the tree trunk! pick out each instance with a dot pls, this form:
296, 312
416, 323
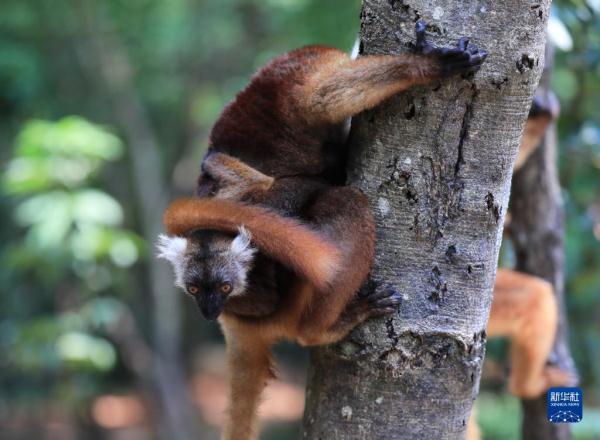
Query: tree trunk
537, 232
436, 163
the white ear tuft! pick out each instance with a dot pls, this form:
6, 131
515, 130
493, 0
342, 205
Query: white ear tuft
171, 248
241, 245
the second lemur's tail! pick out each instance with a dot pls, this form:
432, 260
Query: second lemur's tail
292, 243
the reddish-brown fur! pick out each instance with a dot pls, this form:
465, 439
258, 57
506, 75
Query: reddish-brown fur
524, 310
544, 109
343, 87
282, 136
279, 133
283, 123
235, 178
311, 312
524, 307
272, 234
534, 131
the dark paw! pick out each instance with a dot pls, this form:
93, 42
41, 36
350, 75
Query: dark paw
383, 300
463, 59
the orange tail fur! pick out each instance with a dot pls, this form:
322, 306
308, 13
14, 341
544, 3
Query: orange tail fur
309, 254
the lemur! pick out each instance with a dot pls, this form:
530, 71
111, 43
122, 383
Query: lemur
524, 307
284, 257
306, 245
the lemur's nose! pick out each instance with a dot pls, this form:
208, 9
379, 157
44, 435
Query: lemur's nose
210, 304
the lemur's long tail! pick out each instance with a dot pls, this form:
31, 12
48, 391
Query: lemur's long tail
294, 244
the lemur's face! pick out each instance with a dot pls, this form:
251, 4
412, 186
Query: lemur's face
212, 267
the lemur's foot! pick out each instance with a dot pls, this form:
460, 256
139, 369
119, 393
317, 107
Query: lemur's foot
533, 387
463, 59
557, 377
376, 300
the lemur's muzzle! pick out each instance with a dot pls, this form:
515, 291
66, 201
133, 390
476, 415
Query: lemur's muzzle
211, 305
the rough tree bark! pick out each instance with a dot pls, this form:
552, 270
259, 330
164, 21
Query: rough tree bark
537, 233
436, 163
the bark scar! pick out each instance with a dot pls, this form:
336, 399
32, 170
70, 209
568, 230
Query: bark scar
440, 287
464, 132
444, 180
493, 207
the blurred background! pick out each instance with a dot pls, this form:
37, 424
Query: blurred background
105, 108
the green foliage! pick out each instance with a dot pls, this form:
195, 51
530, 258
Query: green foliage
72, 235
499, 417
53, 154
70, 239
70, 244
577, 83
65, 219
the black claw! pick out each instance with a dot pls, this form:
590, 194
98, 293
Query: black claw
451, 53
389, 301
377, 299
463, 43
383, 312
386, 304
422, 45
462, 59
386, 297
420, 27
378, 296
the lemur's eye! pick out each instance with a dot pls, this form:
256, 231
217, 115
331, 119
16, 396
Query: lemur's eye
192, 290
225, 288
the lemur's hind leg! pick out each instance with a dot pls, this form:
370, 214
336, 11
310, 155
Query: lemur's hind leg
524, 309
343, 216
235, 180
373, 301
342, 87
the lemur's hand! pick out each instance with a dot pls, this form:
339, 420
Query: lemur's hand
463, 59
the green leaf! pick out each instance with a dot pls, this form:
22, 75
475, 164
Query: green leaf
95, 206
70, 136
81, 348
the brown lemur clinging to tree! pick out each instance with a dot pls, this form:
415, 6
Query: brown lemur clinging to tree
274, 247
524, 307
